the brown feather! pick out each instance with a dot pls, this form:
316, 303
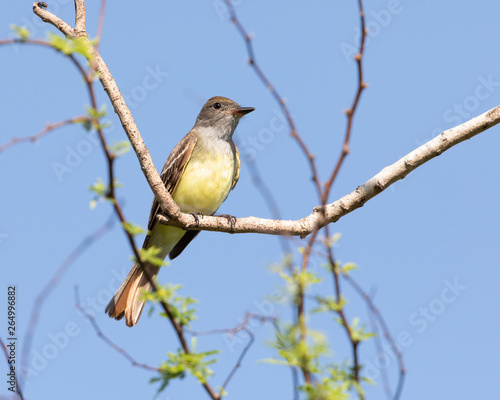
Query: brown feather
237, 165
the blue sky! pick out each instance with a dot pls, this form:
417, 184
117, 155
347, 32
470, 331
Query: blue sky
428, 246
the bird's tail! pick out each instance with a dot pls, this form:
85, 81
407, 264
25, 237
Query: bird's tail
127, 300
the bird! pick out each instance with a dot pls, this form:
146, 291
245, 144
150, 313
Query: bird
199, 173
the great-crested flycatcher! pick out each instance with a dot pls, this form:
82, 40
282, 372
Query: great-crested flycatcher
199, 174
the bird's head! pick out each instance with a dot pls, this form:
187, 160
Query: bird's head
221, 115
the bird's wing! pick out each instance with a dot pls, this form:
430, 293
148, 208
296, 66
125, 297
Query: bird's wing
237, 164
181, 244
172, 172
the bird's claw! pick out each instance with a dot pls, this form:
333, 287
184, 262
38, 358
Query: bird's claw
197, 216
230, 220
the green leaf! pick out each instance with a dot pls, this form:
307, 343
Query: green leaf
21, 32
96, 114
296, 352
95, 119
326, 389
180, 306
84, 46
300, 277
329, 304
117, 183
346, 268
102, 190
149, 255
330, 241
358, 333
133, 229
99, 188
81, 45
119, 148
62, 44
274, 361
179, 364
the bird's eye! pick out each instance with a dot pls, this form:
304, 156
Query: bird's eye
217, 106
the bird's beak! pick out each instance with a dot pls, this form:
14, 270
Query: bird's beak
240, 112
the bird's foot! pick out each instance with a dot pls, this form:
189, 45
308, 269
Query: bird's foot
230, 220
197, 216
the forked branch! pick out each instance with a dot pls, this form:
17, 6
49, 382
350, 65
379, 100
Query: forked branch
321, 216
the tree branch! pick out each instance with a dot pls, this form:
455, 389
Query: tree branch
321, 216
351, 111
356, 199
164, 198
48, 128
80, 18
242, 326
19, 392
378, 319
44, 294
50, 18
100, 24
107, 340
274, 92
97, 64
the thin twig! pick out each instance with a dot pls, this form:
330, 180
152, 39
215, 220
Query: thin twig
301, 307
44, 294
279, 99
108, 341
242, 326
19, 392
351, 111
43, 43
48, 128
239, 361
284, 241
269, 199
341, 313
168, 205
100, 24
327, 188
378, 347
385, 329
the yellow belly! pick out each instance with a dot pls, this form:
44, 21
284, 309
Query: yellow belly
205, 183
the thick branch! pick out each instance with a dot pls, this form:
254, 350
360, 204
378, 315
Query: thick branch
321, 216
80, 17
336, 210
50, 18
164, 198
